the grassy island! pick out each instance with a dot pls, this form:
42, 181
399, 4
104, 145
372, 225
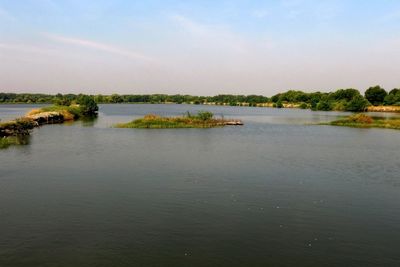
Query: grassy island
364, 121
203, 119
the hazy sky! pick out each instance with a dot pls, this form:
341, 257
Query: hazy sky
202, 47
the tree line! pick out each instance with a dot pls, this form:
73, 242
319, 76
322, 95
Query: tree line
342, 99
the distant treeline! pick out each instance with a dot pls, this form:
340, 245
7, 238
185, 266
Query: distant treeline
343, 99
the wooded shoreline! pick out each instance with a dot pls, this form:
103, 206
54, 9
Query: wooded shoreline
374, 99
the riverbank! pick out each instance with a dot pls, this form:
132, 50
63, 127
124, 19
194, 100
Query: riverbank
383, 109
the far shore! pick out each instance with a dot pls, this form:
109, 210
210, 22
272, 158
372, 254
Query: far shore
375, 99
389, 109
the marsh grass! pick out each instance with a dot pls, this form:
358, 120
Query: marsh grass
68, 112
364, 121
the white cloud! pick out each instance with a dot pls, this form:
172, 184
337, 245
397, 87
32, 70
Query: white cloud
392, 16
6, 15
211, 37
260, 13
98, 46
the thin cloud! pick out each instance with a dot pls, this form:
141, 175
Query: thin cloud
392, 16
211, 36
190, 25
6, 15
98, 46
260, 13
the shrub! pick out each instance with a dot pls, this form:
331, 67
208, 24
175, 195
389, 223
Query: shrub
205, 115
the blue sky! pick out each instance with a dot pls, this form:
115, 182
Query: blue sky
198, 47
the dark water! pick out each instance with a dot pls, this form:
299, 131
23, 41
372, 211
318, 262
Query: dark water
275, 192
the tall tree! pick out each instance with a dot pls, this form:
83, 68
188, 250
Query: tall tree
375, 95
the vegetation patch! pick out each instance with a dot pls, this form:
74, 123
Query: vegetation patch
202, 119
364, 121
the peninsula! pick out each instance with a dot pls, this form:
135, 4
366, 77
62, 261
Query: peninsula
12, 131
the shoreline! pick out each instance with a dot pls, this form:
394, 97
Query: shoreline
383, 109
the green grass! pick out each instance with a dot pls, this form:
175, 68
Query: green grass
364, 121
158, 122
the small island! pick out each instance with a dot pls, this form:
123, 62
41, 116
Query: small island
203, 119
365, 121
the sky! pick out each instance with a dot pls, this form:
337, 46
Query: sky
203, 47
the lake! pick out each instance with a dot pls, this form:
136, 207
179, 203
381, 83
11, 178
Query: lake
278, 191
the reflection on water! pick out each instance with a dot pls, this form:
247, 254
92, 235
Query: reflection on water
6, 142
22, 139
275, 192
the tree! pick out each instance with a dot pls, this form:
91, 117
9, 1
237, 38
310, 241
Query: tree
375, 95
345, 94
303, 105
393, 98
324, 105
358, 103
115, 98
87, 105
279, 104
62, 101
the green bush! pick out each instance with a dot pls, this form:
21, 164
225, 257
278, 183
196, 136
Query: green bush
205, 115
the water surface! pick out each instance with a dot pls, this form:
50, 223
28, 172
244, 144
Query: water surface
274, 192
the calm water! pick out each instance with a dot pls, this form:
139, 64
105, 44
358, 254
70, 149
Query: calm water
275, 192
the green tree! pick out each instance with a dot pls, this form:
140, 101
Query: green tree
324, 105
279, 104
375, 95
115, 98
345, 94
393, 98
303, 105
358, 103
87, 105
